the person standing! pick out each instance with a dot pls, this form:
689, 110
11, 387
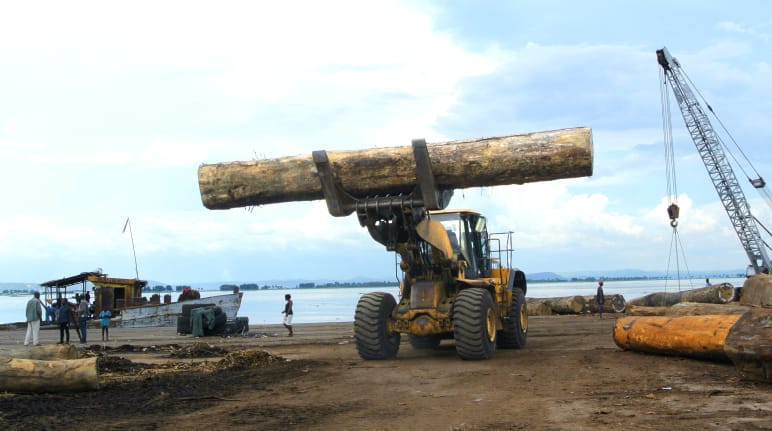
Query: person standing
34, 315
64, 317
105, 315
83, 318
288, 313
600, 299
707, 282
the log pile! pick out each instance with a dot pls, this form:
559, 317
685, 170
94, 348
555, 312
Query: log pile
614, 303
47, 369
561, 305
714, 294
484, 162
744, 339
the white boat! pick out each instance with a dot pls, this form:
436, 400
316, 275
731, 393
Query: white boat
123, 297
166, 314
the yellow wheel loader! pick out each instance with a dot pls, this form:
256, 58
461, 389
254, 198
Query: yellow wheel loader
457, 282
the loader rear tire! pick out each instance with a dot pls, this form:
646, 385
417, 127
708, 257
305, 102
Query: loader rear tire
515, 331
474, 324
425, 342
371, 331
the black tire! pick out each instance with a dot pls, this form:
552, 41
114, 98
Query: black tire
474, 324
371, 334
183, 325
515, 331
425, 342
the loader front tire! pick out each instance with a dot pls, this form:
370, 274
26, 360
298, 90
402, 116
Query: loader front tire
515, 330
474, 324
371, 332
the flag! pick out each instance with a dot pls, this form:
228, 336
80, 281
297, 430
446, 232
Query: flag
125, 225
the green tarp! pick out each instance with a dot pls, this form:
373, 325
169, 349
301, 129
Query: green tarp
197, 317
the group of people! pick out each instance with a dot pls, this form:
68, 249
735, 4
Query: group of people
64, 313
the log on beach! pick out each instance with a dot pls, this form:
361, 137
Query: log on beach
687, 309
33, 376
749, 345
744, 339
484, 162
714, 294
757, 290
42, 353
538, 309
694, 336
561, 305
614, 303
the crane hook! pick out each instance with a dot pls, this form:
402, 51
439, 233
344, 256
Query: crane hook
673, 212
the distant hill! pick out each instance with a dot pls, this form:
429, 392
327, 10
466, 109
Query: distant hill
545, 276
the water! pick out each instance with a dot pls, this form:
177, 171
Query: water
322, 305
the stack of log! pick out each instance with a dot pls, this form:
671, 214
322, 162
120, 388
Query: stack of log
613, 303
714, 294
744, 339
562, 305
47, 369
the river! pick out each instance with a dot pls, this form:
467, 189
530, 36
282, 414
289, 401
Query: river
322, 305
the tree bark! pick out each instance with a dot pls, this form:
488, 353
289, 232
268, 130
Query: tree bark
32, 376
484, 162
715, 294
693, 336
562, 305
614, 303
749, 345
688, 309
43, 353
757, 290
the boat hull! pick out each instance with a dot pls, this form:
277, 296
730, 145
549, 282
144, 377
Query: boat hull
154, 315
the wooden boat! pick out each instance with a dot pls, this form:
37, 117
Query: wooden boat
123, 297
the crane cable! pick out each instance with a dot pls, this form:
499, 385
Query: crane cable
673, 210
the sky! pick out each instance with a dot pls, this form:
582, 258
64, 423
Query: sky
107, 109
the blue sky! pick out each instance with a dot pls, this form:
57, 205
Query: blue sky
108, 110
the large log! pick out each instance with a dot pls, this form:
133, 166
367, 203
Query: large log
33, 376
744, 339
538, 309
757, 290
688, 309
694, 336
749, 345
48, 352
613, 303
484, 162
714, 294
562, 305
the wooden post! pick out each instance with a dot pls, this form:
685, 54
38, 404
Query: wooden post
484, 162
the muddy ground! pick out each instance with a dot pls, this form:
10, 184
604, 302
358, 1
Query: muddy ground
570, 376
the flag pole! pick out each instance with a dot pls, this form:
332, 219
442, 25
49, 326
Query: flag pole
133, 250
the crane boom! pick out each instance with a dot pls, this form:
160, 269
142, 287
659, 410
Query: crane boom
719, 169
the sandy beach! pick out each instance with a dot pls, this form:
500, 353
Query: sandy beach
570, 376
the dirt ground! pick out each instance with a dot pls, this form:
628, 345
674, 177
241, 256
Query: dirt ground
570, 376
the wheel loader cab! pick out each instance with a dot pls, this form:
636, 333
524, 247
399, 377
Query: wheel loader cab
468, 236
